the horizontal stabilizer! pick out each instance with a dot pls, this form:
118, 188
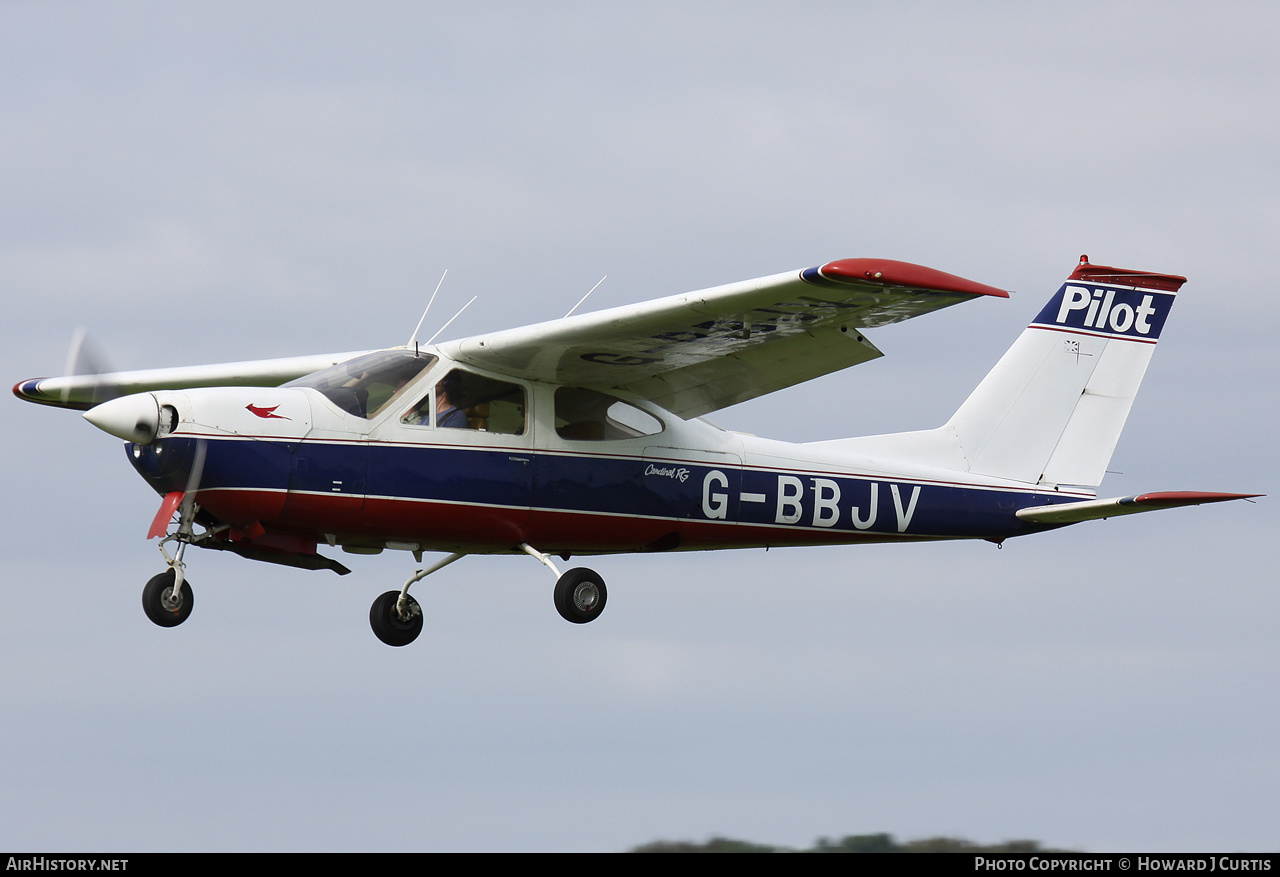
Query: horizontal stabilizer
1092, 510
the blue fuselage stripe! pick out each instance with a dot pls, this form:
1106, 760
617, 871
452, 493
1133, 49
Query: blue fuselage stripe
598, 484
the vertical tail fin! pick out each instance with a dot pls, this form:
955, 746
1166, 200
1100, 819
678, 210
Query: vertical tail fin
1052, 409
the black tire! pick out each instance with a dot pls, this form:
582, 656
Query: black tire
158, 602
580, 595
387, 624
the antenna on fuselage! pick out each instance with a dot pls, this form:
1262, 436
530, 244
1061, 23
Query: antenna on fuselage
451, 319
589, 291
413, 339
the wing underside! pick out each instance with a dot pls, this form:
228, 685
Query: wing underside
698, 352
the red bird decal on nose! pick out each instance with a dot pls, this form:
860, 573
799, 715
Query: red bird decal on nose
266, 412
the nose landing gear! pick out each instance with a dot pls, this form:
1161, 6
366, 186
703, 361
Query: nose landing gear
167, 598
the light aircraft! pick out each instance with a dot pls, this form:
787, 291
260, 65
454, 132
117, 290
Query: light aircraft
584, 435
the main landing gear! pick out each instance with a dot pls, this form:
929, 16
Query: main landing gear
396, 618
579, 593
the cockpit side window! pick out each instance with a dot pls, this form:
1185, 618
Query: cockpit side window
592, 416
367, 385
464, 400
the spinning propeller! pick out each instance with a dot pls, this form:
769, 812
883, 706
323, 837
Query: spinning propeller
86, 361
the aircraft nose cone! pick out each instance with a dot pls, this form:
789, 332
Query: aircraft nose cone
133, 418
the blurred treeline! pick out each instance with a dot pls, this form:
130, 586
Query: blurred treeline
853, 843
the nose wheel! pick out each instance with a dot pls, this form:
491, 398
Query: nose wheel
165, 605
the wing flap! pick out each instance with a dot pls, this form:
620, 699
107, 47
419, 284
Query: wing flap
701, 351
709, 386
1094, 509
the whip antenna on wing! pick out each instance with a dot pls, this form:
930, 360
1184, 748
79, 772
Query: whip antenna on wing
417, 328
589, 291
451, 319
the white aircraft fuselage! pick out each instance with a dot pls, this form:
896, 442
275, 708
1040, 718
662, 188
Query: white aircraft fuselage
290, 462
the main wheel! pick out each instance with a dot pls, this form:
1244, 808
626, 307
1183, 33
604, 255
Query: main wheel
162, 605
389, 626
580, 595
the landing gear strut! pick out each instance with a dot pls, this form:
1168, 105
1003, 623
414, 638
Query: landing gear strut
579, 594
167, 598
396, 618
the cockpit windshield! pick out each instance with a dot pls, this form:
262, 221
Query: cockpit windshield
364, 386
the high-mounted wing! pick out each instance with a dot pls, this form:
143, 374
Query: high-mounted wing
702, 351
82, 392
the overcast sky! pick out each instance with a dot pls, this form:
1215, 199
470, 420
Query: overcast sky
209, 182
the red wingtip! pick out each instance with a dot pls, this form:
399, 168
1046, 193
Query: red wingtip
894, 273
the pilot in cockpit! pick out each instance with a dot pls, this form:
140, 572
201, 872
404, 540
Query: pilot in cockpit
447, 413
